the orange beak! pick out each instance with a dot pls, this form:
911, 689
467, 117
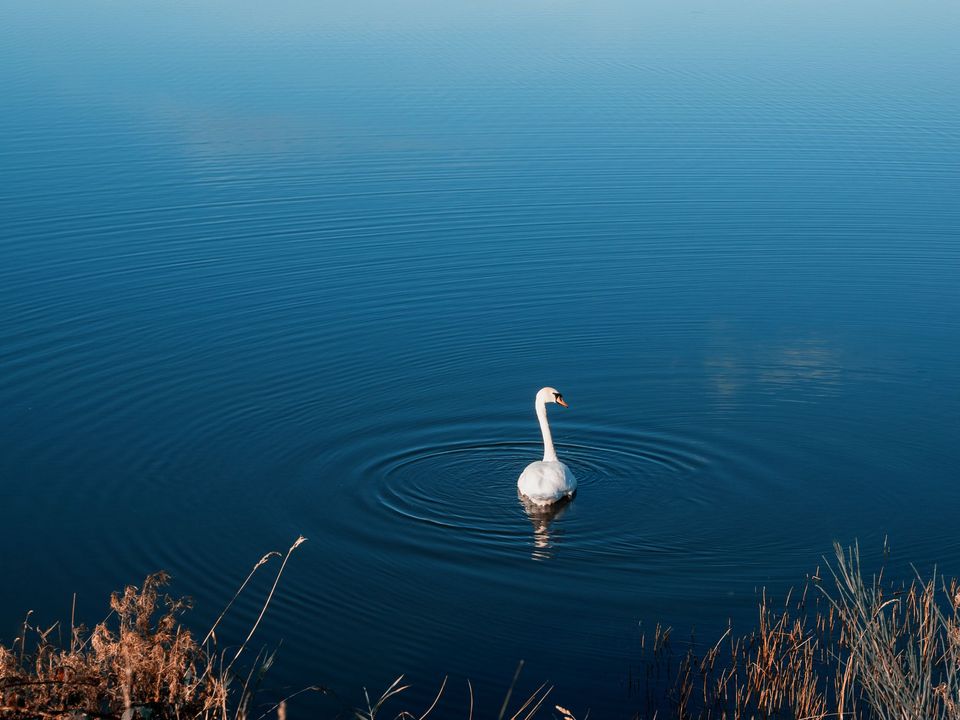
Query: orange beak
562, 402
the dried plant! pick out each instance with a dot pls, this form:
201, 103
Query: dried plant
132, 664
140, 663
866, 650
527, 709
903, 646
856, 650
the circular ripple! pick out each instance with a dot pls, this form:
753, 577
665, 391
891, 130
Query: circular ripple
452, 495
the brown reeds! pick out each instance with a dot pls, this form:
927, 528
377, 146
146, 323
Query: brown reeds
132, 664
902, 645
527, 710
858, 649
140, 663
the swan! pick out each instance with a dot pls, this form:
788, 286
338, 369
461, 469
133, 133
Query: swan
546, 481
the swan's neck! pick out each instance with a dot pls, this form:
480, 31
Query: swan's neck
549, 454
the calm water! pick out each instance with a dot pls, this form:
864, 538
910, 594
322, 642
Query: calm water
302, 270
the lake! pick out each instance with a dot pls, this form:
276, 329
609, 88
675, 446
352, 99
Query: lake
302, 270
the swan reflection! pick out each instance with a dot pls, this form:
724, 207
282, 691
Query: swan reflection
540, 517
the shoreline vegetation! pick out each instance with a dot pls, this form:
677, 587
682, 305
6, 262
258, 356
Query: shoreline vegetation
847, 646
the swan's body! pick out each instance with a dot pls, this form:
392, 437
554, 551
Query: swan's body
546, 481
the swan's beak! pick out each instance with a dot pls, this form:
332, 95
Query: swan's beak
562, 402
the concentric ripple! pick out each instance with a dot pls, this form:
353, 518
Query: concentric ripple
459, 496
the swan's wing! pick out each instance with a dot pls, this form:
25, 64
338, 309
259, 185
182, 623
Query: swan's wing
569, 485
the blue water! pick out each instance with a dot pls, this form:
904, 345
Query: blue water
301, 270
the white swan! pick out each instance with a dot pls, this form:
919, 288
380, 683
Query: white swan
546, 481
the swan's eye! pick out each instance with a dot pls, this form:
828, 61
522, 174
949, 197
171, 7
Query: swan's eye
558, 396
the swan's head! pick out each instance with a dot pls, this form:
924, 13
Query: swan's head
551, 395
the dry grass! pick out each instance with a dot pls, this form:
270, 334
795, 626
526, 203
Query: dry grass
526, 709
853, 649
132, 663
902, 647
140, 663
859, 649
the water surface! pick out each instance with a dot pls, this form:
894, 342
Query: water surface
302, 270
